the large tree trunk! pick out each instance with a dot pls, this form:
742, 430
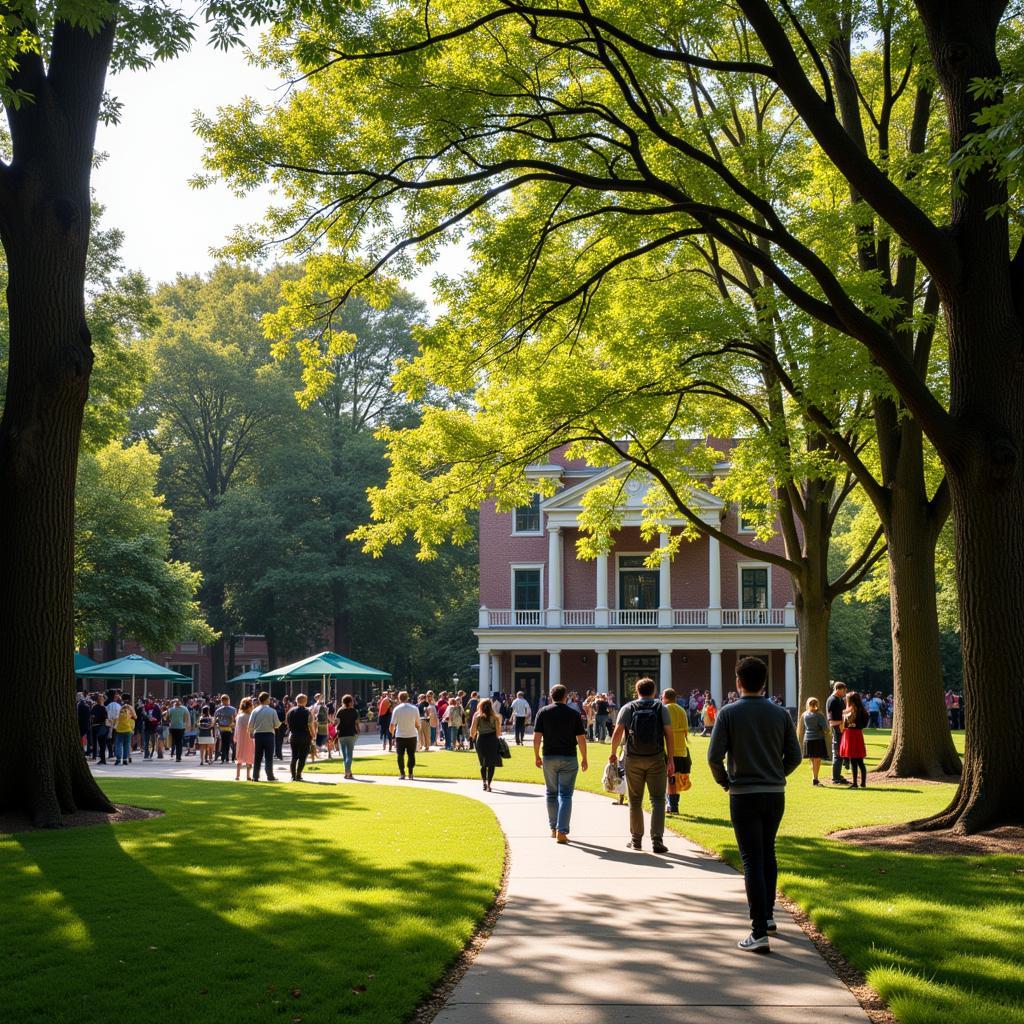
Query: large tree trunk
812, 618
984, 459
43, 770
217, 676
44, 227
921, 744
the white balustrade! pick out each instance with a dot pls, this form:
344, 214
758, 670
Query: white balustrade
753, 616
690, 617
634, 616
578, 617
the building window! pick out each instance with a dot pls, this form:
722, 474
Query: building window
638, 584
526, 589
528, 661
755, 598
526, 518
750, 512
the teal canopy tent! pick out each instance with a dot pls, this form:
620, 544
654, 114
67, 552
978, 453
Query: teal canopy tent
247, 677
82, 663
324, 666
132, 666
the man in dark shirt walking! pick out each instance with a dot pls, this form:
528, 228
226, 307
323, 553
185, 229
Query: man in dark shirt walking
834, 708
759, 740
561, 729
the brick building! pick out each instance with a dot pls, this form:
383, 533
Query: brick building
547, 616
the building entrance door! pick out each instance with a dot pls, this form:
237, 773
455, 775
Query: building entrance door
633, 667
529, 683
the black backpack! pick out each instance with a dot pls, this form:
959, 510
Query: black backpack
646, 729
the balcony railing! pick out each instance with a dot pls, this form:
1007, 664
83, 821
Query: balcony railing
753, 616
637, 618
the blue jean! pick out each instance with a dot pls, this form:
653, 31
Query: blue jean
560, 780
347, 744
122, 746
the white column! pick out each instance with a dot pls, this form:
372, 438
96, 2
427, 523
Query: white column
716, 675
496, 673
666, 668
601, 604
486, 671
714, 583
790, 678
554, 576
602, 669
664, 585
554, 667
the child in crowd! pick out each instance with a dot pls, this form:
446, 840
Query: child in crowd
851, 746
815, 730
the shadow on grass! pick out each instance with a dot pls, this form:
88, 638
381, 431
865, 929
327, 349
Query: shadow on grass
237, 904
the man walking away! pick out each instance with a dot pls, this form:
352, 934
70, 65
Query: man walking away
834, 708
99, 729
679, 772
647, 726
263, 725
301, 731
759, 740
405, 727
225, 716
521, 710
562, 731
178, 721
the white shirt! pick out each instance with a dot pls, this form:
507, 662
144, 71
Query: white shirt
521, 707
113, 710
405, 720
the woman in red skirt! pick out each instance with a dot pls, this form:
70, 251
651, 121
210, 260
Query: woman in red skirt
851, 746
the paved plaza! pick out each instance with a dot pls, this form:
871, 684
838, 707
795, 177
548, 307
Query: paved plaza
593, 933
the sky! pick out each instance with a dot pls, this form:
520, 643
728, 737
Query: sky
169, 228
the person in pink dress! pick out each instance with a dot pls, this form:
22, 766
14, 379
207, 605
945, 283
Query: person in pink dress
245, 746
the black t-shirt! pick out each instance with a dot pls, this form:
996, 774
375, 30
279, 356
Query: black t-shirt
834, 708
559, 724
298, 721
602, 707
347, 721
424, 707
99, 714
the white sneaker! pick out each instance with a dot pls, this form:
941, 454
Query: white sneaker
752, 945
772, 926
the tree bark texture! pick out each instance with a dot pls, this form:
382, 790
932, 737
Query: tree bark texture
812, 619
985, 460
44, 227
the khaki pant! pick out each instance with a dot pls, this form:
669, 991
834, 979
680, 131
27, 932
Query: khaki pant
650, 773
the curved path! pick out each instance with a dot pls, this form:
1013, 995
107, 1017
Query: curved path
593, 933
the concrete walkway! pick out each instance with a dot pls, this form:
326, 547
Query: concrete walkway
593, 933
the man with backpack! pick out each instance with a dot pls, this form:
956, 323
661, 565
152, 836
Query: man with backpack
647, 726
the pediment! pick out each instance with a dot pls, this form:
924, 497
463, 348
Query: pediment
634, 492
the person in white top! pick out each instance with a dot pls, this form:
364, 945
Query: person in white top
405, 726
113, 710
521, 714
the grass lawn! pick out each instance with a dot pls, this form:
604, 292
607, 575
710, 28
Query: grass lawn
939, 937
245, 903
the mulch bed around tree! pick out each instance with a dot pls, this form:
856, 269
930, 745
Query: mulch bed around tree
11, 822
1006, 840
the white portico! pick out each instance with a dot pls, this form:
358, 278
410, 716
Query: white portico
599, 623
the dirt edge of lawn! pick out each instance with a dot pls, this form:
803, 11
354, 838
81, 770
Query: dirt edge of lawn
13, 821
435, 1002
900, 838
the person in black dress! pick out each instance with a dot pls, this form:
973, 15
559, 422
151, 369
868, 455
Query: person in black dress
485, 730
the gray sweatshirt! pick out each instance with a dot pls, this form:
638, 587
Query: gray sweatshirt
759, 741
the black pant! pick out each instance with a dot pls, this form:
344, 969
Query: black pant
225, 746
177, 739
403, 747
265, 751
300, 751
279, 744
837, 761
99, 741
755, 820
520, 729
